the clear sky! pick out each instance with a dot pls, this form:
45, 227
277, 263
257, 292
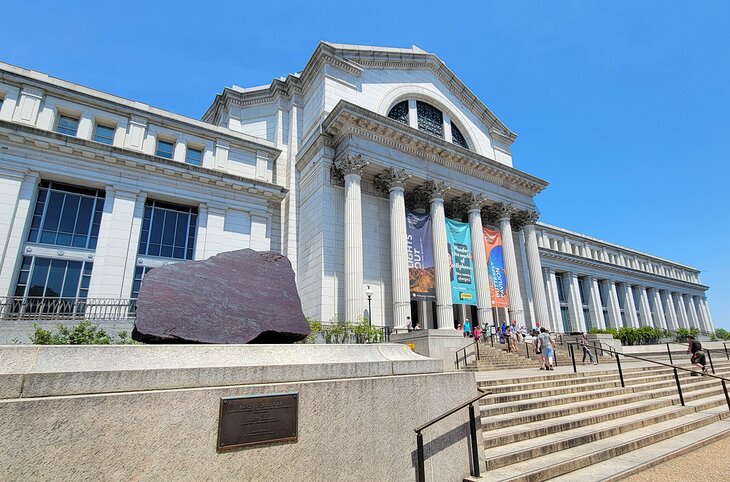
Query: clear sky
623, 106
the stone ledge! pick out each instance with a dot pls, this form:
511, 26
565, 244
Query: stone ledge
42, 371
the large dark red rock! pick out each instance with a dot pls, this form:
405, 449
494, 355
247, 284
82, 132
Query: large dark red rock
241, 296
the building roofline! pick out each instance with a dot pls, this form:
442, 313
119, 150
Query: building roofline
353, 59
64, 88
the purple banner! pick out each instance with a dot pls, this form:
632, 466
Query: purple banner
420, 257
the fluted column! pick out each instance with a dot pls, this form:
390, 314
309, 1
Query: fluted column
681, 311
706, 311
534, 267
575, 304
694, 321
645, 308
351, 168
510, 264
481, 270
553, 300
695, 301
670, 313
614, 309
444, 309
393, 182
595, 305
659, 315
629, 306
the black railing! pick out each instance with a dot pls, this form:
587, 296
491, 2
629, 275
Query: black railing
474, 443
464, 360
52, 308
675, 368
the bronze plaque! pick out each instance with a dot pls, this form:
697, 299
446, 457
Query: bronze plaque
257, 419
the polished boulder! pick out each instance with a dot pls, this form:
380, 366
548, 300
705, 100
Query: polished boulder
241, 296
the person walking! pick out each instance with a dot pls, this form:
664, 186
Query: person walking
698, 354
545, 344
583, 342
467, 328
477, 333
409, 325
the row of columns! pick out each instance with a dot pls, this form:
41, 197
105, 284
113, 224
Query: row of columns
393, 182
672, 310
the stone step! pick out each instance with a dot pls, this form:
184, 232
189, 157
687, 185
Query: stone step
622, 466
553, 464
540, 375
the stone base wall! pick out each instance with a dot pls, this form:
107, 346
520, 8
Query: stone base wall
351, 427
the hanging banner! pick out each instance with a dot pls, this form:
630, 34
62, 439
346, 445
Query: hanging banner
421, 272
458, 238
495, 266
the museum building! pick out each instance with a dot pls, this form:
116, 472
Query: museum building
322, 166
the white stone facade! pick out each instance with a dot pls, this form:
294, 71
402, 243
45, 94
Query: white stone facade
294, 167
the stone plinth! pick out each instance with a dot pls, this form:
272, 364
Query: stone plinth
439, 344
151, 412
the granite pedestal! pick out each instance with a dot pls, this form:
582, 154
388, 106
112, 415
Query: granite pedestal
439, 344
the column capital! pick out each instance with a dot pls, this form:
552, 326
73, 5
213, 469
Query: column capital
501, 211
391, 179
436, 190
529, 217
472, 202
350, 165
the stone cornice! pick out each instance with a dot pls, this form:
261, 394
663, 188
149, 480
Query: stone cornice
52, 142
603, 266
353, 59
348, 119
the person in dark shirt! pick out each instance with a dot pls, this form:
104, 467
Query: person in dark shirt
698, 355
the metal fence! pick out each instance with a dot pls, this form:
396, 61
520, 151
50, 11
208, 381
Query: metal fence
51, 308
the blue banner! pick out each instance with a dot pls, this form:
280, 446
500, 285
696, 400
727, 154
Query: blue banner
458, 237
420, 257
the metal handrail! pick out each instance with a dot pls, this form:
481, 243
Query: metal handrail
474, 469
668, 365
465, 354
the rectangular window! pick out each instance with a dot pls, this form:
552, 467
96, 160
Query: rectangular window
194, 156
104, 134
561, 289
66, 216
67, 125
164, 149
602, 293
583, 288
168, 230
52, 285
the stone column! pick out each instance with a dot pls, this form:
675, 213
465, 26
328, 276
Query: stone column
659, 315
392, 182
681, 311
351, 168
553, 300
575, 305
595, 305
670, 314
645, 308
695, 301
539, 298
694, 321
614, 309
708, 316
504, 214
201, 232
444, 308
474, 204
17, 199
629, 306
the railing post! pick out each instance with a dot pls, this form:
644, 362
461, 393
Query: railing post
712, 365
420, 460
457, 359
571, 348
620, 372
478, 356
491, 338
527, 350
679, 387
726, 353
669, 352
595, 352
727, 397
474, 443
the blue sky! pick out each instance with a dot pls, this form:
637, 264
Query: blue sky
623, 106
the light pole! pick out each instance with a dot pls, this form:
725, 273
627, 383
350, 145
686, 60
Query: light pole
369, 294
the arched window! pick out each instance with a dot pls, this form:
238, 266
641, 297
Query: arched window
429, 119
399, 112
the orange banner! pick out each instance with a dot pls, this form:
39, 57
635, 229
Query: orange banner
495, 266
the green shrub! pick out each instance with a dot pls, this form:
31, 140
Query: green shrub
608, 331
315, 327
85, 333
338, 332
722, 334
364, 333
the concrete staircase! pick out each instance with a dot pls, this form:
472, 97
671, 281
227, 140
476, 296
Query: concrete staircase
585, 426
497, 358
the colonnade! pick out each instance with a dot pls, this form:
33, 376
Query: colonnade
606, 303
392, 181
